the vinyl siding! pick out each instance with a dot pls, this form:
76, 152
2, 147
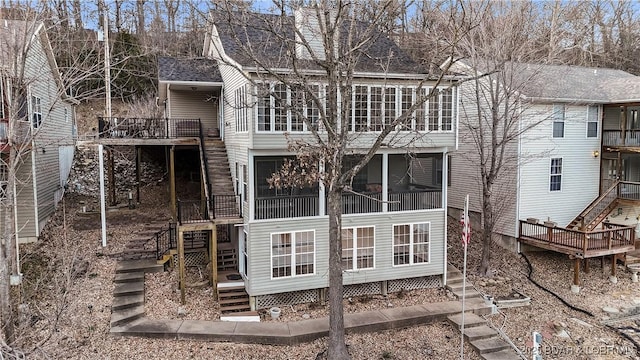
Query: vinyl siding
195, 105
580, 170
465, 177
259, 248
26, 224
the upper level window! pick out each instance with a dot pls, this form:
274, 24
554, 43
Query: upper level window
555, 175
283, 108
592, 121
36, 109
558, 120
240, 109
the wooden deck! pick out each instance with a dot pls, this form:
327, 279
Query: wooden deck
613, 239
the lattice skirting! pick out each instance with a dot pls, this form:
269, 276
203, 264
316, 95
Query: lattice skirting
425, 282
288, 298
195, 258
372, 288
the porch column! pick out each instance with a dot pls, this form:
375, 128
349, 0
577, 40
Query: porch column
321, 192
181, 274
138, 161
385, 182
112, 177
576, 276
172, 182
613, 278
213, 256
624, 124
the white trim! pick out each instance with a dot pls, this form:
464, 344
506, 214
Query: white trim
598, 114
190, 83
411, 243
35, 187
555, 119
550, 174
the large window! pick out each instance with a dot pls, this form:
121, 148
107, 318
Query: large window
264, 108
411, 244
292, 254
36, 110
592, 122
265, 168
558, 120
283, 108
555, 178
360, 108
241, 109
358, 248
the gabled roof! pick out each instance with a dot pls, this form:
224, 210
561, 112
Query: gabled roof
258, 31
194, 69
569, 83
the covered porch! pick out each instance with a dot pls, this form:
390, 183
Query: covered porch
388, 183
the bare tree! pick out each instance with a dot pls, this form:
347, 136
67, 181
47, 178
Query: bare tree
496, 52
347, 44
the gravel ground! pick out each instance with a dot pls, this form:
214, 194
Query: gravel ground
73, 317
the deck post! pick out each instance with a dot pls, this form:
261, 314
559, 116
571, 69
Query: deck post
181, 273
613, 279
138, 161
213, 255
172, 181
576, 275
586, 265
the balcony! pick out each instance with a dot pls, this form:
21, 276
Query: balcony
148, 128
631, 138
282, 207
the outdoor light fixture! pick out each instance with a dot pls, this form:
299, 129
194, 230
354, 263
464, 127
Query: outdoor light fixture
596, 153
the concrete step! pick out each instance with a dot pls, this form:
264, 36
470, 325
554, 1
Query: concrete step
457, 287
507, 354
491, 345
468, 294
241, 316
479, 332
131, 288
123, 316
146, 265
470, 320
129, 277
227, 309
128, 301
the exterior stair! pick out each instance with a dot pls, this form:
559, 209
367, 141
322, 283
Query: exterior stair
486, 341
454, 284
128, 294
143, 246
223, 194
597, 211
233, 299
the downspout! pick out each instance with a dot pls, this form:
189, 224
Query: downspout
518, 177
35, 187
445, 181
221, 120
15, 221
457, 117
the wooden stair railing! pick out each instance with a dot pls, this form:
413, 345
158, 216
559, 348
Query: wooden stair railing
597, 211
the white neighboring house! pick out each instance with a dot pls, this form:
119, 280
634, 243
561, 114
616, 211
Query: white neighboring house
43, 125
573, 155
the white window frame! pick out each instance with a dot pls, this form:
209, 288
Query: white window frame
412, 243
558, 116
552, 174
240, 109
36, 111
293, 253
289, 110
355, 250
592, 121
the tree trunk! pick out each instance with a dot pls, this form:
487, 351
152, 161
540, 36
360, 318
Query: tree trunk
77, 14
487, 230
337, 346
141, 17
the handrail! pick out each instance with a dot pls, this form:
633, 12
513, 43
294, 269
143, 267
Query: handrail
205, 170
584, 215
148, 128
165, 240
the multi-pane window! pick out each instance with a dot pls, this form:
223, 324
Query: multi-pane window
280, 107
420, 113
360, 108
264, 108
592, 121
358, 248
245, 189
447, 110
292, 254
36, 110
389, 105
411, 244
313, 111
376, 109
555, 179
434, 111
241, 112
406, 101
558, 120
297, 108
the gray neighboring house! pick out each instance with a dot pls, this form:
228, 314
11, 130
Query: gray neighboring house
43, 129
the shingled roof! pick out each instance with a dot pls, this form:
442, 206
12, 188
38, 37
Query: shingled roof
194, 69
247, 37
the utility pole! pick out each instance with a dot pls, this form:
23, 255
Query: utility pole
107, 84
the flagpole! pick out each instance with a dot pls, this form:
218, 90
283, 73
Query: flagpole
465, 240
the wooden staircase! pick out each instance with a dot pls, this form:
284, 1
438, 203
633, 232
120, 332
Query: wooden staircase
218, 165
597, 211
233, 299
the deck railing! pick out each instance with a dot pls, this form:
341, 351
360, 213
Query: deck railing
166, 240
415, 200
220, 206
361, 203
576, 242
148, 128
628, 190
280, 207
614, 137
